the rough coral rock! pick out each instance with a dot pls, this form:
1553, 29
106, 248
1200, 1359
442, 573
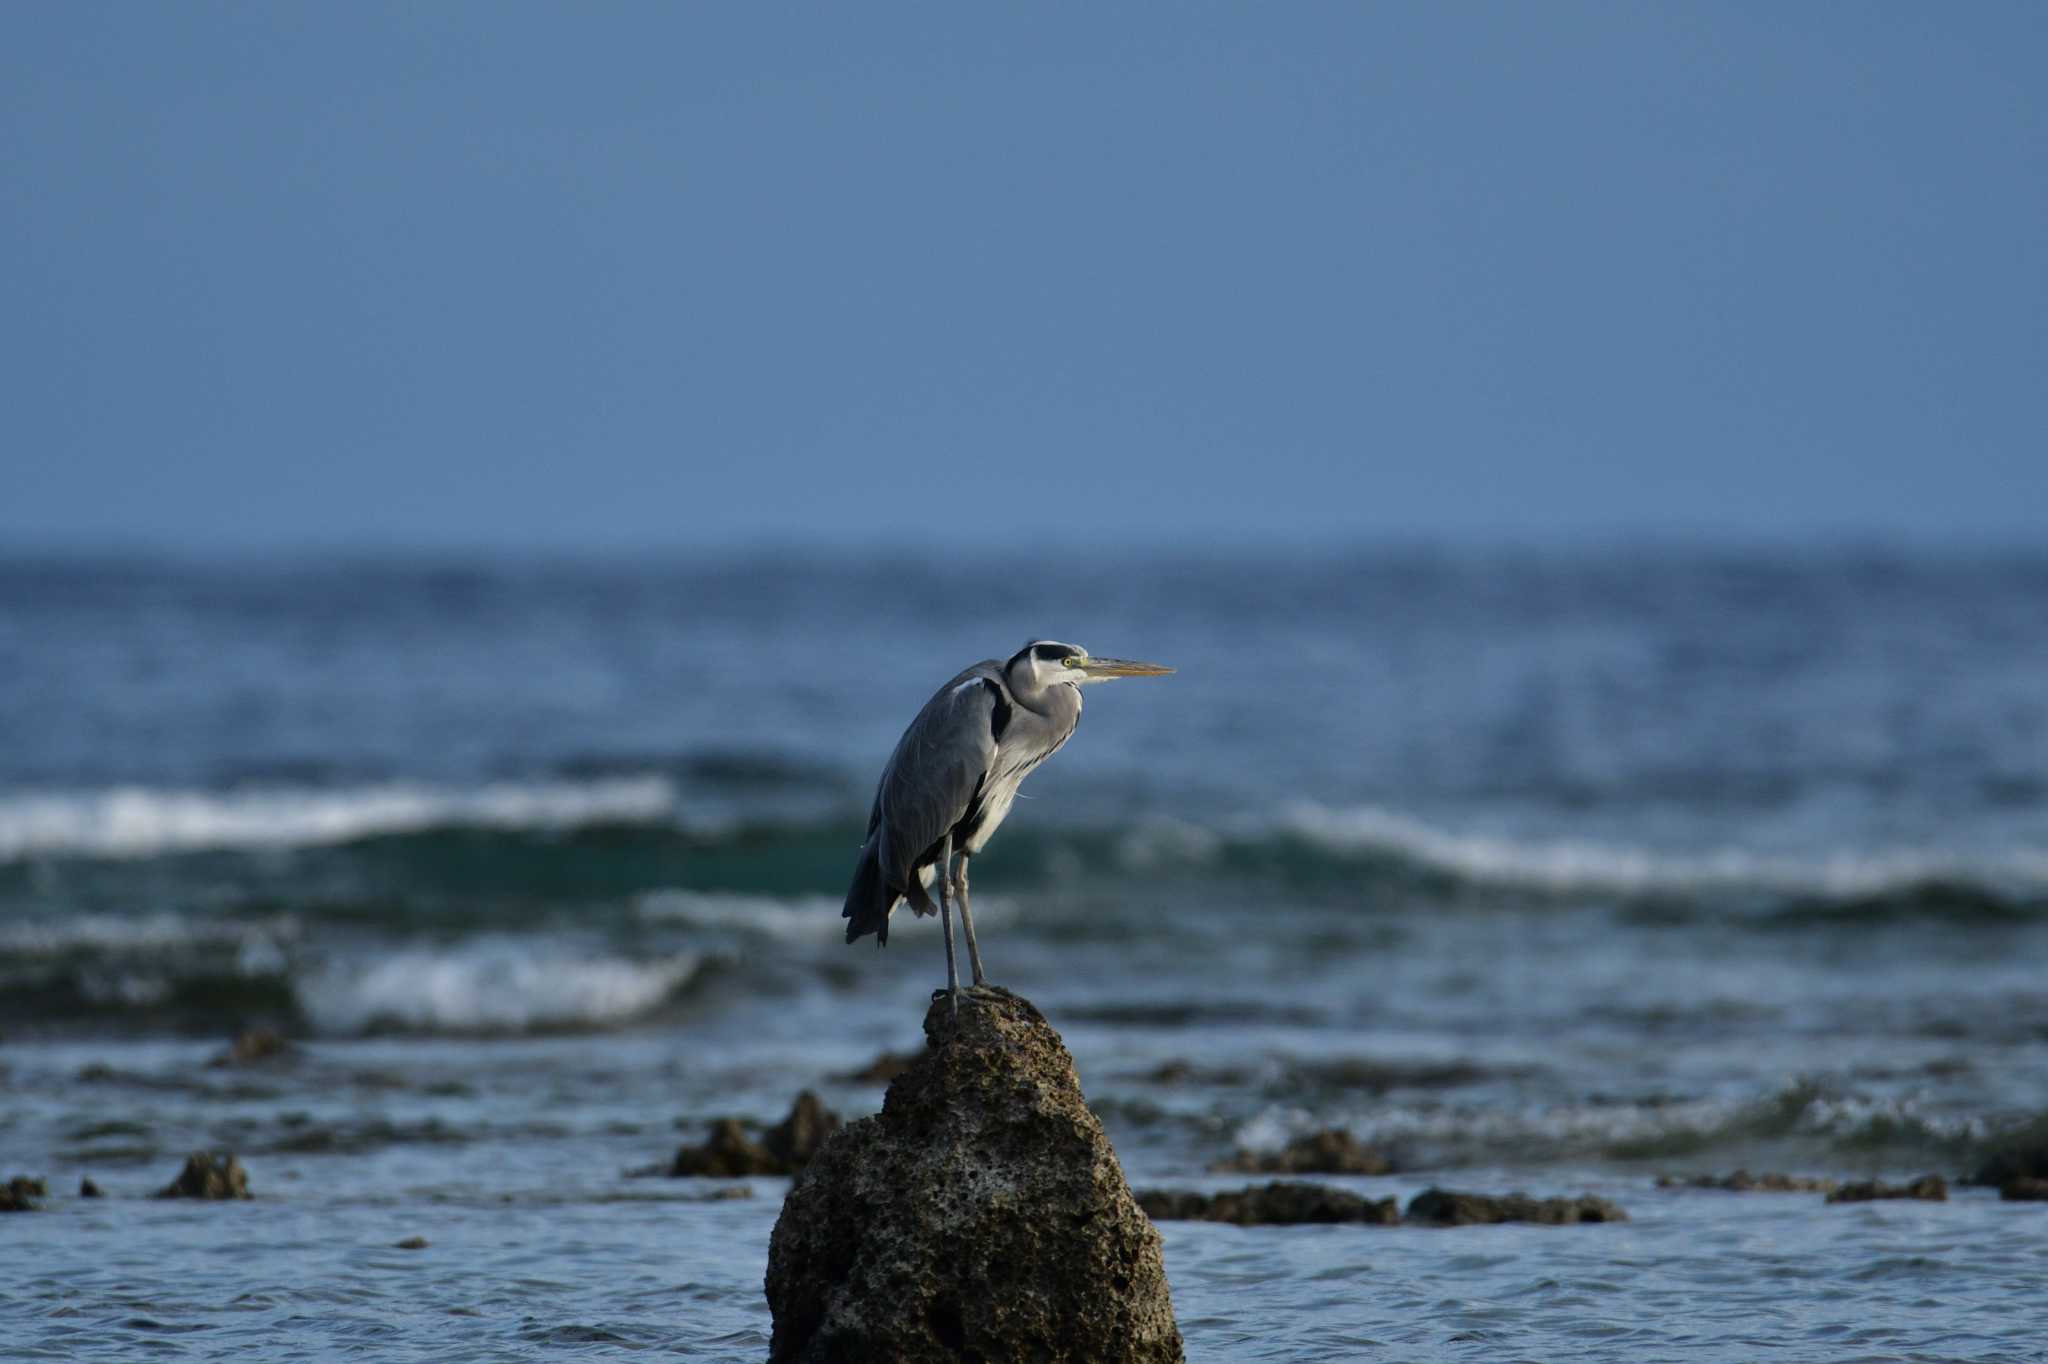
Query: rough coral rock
1280, 1203
980, 1215
256, 1047
1932, 1188
783, 1149
20, 1193
2020, 1154
207, 1175
1332, 1151
2024, 1190
1446, 1208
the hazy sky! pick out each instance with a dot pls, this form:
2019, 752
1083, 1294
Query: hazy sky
617, 276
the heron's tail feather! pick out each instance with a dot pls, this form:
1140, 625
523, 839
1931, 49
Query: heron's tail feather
868, 902
920, 899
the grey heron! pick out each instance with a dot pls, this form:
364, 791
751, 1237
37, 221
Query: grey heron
952, 778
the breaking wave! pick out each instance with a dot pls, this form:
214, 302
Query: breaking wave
141, 822
489, 985
1576, 867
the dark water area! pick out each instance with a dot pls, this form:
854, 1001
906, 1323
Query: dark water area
1556, 871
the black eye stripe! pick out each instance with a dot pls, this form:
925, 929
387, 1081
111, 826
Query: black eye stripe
1053, 653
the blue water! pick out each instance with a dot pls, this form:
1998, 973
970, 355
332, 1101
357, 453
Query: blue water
1554, 871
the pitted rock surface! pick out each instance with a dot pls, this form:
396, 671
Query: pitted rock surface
980, 1215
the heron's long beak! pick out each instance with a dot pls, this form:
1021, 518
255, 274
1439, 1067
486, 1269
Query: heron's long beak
1122, 667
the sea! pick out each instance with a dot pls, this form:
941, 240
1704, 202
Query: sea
1552, 869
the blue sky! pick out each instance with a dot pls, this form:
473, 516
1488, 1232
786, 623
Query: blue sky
668, 276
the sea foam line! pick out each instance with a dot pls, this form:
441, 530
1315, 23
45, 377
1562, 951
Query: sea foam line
143, 821
492, 984
1566, 866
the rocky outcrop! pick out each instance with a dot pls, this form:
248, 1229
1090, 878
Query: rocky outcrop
1281, 1203
1742, 1181
1332, 1151
207, 1175
20, 1193
2020, 1154
256, 1047
1932, 1188
1446, 1208
2024, 1190
885, 1067
981, 1215
784, 1149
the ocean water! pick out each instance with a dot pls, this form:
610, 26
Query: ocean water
1545, 871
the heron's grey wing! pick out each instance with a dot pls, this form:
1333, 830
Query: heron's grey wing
937, 768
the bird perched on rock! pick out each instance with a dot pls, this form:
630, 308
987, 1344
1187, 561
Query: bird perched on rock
953, 776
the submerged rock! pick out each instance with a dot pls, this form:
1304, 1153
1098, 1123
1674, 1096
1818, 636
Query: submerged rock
88, 1189
981, 1215
207, 1175
1281, 1203
885, 1067
726, 1154
2024, 1190
257, 1046
2022, 1154
411, 1243
1332, 1151
1742, 1181
783, 1149
1932, 1188
798, 1138
20, 1193
1447, 1208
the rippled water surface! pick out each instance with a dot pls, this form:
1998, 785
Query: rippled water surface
1539, 873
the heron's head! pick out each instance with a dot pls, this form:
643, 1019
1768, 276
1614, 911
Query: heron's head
1049, 663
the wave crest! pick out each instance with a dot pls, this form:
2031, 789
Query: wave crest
489, 985
141, 822
1572, 866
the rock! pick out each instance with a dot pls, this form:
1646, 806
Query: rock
884, 1068
20, 1193
726, 1154
2022, 1154
1933, 1188
257, 1046
1281, 1203
980, 1215
783, 1150
720, 1193
2024, 1190
1179, 1071
411, 1243
799, 1137
1445, 1208
88, 1189
1742, 1181
207, 1175
1332, 1151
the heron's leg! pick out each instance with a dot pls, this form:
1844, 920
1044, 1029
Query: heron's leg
946, 922
967, 917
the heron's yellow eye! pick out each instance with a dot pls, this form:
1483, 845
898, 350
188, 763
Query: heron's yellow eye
1072, 661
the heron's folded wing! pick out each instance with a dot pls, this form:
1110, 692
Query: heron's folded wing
938, 766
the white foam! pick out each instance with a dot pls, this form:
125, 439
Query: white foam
1569, 865
491, 984
797, 917
1543, 1129
794, 918
163, 931
138, 821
